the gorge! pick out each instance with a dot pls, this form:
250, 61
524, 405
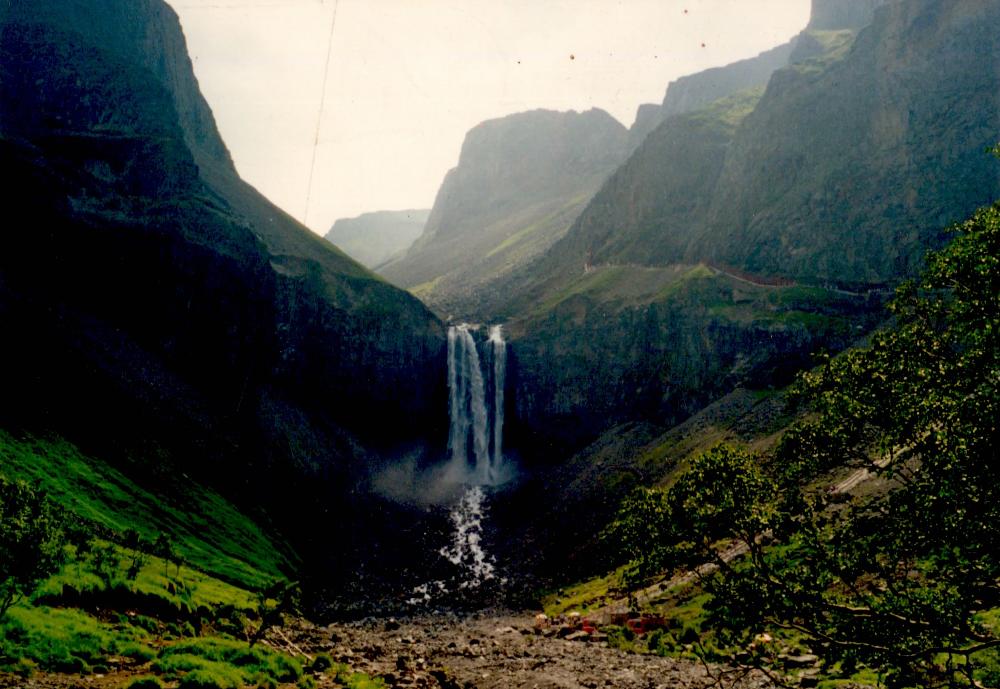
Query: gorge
583, 314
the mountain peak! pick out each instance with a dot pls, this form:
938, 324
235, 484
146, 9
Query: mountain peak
831, 15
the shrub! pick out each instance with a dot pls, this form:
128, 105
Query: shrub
23, 668
321, 663
689, 635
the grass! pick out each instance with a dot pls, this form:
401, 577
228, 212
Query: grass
584, 596
564, 215
835, 46
356, 680
65, 640
226, 659
206, 530
624, 286
422, 290
148, 621
731, 110
185, 591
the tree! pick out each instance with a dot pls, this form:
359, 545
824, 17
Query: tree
164, 549
31, 541
273, 603
898, 581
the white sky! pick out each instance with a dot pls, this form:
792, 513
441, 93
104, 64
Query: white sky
408, 78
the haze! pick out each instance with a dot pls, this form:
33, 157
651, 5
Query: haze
407, 79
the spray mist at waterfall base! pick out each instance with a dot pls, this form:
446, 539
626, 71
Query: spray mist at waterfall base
462, 569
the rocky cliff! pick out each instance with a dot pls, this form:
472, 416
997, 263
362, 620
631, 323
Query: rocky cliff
839, 174
519, 183
375, 238
849, 168
827, 15
163, 309
696, 91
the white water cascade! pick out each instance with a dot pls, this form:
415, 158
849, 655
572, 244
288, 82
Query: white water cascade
475, 438
475, 446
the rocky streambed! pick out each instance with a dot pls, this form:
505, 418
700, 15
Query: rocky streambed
492, 651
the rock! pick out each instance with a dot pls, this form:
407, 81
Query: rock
578, 636
803, 660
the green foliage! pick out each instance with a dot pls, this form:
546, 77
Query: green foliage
901, 582
273, 603
723, 494
148, 682
197, 525
321, 663
215, 676
207, 653
31, 541
63, 640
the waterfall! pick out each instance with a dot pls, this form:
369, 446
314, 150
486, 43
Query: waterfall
475, 446
499, 376
473, 568
475, 437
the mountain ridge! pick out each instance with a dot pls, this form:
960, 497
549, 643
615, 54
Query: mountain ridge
176, 311
514, 191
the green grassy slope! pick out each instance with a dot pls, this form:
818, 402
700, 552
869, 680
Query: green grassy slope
207, 531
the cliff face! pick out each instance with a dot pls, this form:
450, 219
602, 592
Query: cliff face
828, 15
848, 170
518, 185
698, 90
375, 238
143, 34
162, 307
842, 172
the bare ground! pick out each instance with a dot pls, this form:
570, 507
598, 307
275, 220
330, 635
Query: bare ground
485, 651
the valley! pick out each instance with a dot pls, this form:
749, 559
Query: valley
707, 401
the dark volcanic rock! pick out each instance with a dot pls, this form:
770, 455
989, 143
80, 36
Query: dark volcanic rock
164, 310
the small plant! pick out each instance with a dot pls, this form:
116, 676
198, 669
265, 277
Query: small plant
216, 677
689, 635
138, 651
23, 668
272, 604
321, 663
137, 554
147, 682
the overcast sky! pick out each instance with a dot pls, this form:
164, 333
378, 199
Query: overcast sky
407, 78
